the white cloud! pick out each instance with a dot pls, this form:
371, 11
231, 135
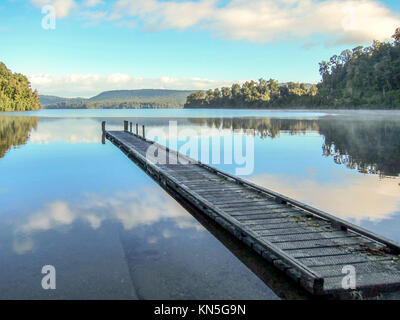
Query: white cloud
341, 21
344, 21
87, 85
63, 8
92, 3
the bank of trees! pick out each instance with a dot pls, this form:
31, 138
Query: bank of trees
363, 77
360, 78
255, 94
15, 92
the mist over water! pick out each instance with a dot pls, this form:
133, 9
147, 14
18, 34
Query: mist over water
111, 232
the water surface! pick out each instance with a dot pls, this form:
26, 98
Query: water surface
111, 232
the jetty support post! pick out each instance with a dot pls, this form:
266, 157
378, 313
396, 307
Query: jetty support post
137, 129
143, 132
125, 125
103, 132
130, 127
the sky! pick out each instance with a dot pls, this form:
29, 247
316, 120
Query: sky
79, 48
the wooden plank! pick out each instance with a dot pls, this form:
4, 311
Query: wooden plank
319, 243
217, 190
382, 281
233, 199
367, 267
348, 258
310, 236
318, 252
290, 225
266, 217
255, 207
206, 182
298, 230
248, 204
292, 216
216, 194
266, 211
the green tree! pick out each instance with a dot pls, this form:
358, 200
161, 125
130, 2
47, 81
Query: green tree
15, 92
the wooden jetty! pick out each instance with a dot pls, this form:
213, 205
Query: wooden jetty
314, 248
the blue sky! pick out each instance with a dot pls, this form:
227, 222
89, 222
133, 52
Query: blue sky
126, 44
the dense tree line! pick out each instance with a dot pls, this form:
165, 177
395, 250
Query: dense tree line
367, 77
255, 94
360, 78
15, 92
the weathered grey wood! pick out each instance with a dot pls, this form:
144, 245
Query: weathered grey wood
249, 204
305, 236
375, 282
296, 238
289, 224
258, 216
348, 258
319, 243
221, 190
292, 230
368, 267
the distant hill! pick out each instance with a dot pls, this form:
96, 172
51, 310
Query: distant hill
121, 99
142, 94
47, 100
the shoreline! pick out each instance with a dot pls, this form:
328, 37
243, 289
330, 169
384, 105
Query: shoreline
300, 109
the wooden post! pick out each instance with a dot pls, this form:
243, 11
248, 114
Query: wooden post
143, 132
125, 125
130, 127
137, 129
103, 132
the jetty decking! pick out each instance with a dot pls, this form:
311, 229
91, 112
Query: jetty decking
309, 245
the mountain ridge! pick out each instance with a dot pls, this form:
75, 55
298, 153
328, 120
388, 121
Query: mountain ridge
136, 98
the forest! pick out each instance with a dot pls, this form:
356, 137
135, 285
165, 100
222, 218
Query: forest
362, 78
15, 92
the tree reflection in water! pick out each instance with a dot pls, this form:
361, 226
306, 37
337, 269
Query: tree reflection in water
369, 146
14, 131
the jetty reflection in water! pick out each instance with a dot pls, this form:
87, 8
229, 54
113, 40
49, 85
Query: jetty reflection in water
111, 232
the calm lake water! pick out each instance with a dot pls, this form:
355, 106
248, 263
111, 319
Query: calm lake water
70, 201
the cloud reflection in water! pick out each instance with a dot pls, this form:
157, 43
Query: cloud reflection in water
350, 197
143, 207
